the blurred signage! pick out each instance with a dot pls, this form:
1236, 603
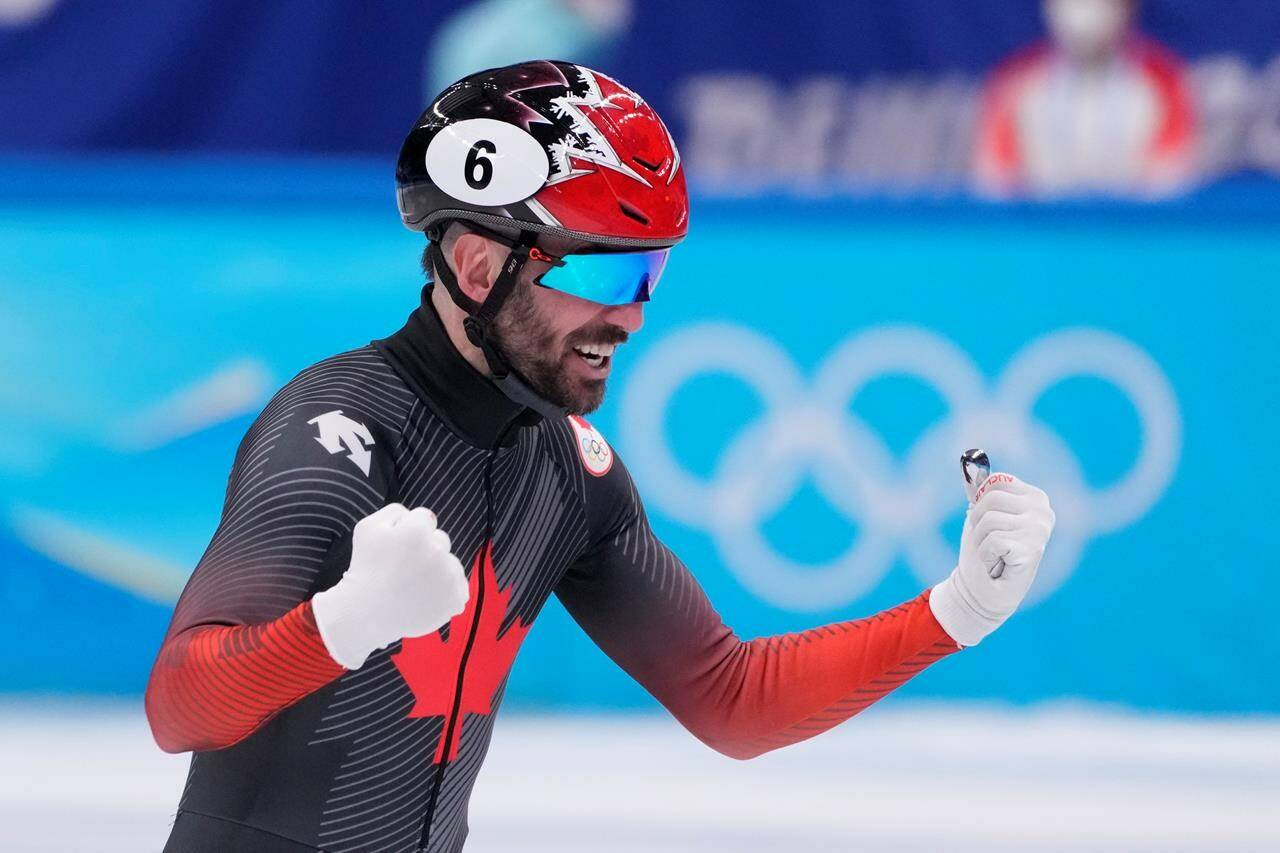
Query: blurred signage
746, 133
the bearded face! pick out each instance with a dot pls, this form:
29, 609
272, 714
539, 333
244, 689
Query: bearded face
561, 345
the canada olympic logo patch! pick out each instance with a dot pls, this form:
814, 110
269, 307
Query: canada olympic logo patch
596, 454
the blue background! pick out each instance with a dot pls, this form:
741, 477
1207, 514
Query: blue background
114, 304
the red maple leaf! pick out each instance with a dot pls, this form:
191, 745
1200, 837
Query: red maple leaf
429, 665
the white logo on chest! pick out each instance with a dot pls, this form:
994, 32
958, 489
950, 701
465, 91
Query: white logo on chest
596, 454
338, 431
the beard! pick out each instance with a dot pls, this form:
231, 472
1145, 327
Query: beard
528, 340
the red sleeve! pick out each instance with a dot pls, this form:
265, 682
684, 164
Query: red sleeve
641, 605
243, 643
779, 690
213, 685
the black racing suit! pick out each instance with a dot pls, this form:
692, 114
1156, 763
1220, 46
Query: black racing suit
292, 752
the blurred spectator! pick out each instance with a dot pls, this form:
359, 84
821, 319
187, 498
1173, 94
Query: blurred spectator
1096, 109
490, 33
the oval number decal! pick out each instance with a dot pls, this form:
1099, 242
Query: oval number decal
487, 162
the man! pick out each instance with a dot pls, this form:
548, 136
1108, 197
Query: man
1098, 109
399, 514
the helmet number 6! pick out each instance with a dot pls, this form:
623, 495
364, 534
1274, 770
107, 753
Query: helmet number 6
478, 169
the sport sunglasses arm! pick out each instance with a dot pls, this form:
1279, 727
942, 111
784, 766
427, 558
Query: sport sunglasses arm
536, 254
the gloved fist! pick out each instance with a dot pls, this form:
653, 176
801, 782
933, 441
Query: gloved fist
403, 581
1008, 520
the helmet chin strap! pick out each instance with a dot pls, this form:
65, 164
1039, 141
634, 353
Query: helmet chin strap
480, 317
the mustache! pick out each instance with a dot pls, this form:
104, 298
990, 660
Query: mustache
603, 334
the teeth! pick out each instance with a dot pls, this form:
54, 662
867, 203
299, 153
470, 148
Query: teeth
597, 349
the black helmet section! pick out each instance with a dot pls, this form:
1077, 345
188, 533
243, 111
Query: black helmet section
487, 167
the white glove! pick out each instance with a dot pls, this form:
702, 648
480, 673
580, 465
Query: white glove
1008, 520
403, 581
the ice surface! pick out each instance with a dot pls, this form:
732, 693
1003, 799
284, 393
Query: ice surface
906, 778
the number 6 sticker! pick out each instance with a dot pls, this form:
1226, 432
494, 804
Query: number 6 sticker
487, 162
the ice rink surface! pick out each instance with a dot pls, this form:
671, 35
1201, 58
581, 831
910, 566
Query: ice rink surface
905, 778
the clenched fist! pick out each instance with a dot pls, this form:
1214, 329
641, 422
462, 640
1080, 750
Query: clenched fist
1008, 521
403, 581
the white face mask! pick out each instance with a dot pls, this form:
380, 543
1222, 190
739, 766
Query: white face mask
1087, 27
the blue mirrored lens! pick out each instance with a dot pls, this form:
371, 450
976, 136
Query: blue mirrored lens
610, 278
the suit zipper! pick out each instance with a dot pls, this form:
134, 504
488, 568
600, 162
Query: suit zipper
451, 721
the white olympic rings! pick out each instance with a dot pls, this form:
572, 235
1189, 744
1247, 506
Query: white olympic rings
807, 433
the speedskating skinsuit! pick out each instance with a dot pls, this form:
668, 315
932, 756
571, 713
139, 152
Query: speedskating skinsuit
292, 752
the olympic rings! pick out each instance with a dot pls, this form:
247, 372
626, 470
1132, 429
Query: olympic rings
808, 434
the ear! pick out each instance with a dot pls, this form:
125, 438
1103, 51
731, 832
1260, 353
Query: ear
473, 265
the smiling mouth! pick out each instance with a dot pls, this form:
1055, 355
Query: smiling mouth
596, 356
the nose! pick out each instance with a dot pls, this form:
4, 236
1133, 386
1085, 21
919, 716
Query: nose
629, 316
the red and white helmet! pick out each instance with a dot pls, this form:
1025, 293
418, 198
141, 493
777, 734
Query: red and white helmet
545, 147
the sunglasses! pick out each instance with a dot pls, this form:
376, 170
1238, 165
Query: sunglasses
609, 278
